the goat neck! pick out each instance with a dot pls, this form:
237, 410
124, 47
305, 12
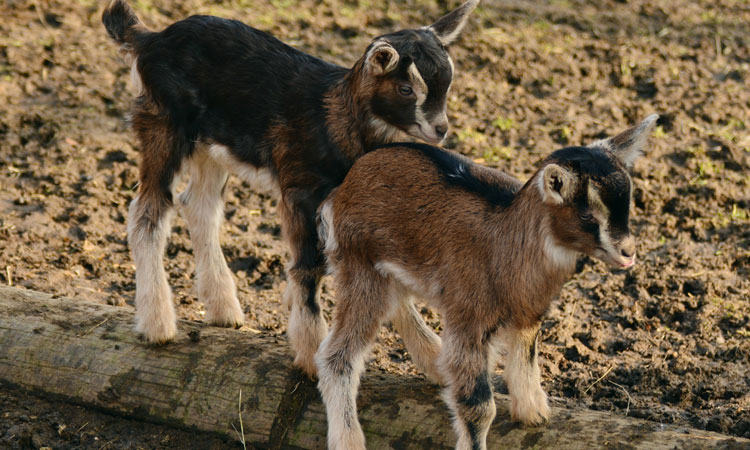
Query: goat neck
351, 123
530, 264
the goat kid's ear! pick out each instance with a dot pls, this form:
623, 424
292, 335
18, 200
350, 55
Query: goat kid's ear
381, 58
448, 27
628, 146
556, 184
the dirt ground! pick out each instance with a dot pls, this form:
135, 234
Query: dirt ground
668, 340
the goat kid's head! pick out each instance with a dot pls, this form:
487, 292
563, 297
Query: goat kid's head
590, 190
408, 74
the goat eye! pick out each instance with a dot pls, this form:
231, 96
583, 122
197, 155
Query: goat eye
405, 90
586, 217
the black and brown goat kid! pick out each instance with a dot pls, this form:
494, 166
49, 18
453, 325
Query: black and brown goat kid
217, 96
489, 252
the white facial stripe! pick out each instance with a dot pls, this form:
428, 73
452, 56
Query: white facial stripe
418, 84
601, 213
596, 203
450, 83
453, 69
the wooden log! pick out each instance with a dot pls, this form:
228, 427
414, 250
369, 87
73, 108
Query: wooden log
88, 354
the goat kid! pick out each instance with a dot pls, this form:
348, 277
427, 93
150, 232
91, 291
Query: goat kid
219, 96
489, 252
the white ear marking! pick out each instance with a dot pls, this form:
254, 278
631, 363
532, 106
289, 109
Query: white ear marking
628, 145
381, 58
448, 27
555, 184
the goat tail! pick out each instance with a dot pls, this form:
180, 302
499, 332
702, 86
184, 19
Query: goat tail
122, 24
326, 233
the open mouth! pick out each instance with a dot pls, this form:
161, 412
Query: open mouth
614, 261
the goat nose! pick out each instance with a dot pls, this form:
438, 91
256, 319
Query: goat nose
627, 248
441, 129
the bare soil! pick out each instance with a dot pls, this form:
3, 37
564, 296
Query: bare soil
668, 340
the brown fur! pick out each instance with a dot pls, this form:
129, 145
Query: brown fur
428, 239
487, 251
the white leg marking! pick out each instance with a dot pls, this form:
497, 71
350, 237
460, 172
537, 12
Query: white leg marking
203, 210
458, 365
154, 313
528, 402
339, 392
464, 441
305, 331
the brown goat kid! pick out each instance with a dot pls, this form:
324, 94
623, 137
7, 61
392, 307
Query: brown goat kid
489, 252
218, 97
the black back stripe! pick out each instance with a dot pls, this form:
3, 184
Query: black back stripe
457, 171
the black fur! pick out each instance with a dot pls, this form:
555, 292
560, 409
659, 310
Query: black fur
232, 83
225, 82
461, 172
429, 56
471, 427
532, 348
602, 168
482, 392
119, 20
217, 81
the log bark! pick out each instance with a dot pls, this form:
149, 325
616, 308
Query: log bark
88, 354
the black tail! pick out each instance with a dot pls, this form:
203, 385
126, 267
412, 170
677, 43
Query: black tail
121, 22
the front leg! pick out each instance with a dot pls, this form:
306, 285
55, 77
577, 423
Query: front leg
307, 327
528, 402
464, 366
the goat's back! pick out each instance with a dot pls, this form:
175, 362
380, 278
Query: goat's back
417, 201
220, 79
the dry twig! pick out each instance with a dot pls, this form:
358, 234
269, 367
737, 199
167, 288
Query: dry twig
242, 428
598, 379
630, 399
94, 327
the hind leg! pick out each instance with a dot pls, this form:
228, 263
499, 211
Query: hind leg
422, 343
307, 327
149, 218
203, 210
363, 302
